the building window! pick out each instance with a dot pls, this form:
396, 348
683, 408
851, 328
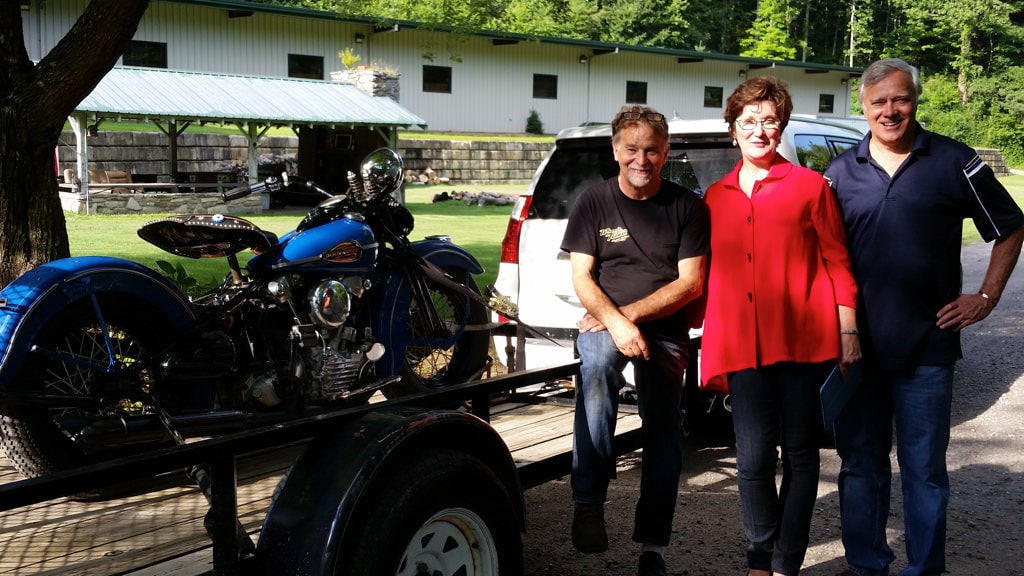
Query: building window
712, 96
149, 54
545, 86
826, 103
437, 79
302, 66
636, 92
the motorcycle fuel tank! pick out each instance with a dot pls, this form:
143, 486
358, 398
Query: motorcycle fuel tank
345, 241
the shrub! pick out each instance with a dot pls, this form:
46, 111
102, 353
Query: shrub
349, 59
533, 123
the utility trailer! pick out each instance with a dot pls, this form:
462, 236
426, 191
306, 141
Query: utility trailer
427, 480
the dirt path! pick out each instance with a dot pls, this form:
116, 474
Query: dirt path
986, 463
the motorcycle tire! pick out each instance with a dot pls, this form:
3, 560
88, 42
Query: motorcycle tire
41, 440
456, 519
427, 367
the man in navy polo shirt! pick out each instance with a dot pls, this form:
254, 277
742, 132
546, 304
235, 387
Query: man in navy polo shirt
905, 193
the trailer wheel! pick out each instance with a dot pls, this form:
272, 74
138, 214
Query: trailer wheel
445, 514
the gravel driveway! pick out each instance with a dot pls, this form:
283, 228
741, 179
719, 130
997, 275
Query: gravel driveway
986, 463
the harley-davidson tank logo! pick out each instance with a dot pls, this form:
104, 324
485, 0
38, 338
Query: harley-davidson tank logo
345, 252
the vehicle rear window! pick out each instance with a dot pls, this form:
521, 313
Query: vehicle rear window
578, 164
815, 151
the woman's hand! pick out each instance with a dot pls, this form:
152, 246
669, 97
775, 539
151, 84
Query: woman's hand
850, 346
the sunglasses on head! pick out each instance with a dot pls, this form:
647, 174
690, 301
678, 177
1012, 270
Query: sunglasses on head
649, 116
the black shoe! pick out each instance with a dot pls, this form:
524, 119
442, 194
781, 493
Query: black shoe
651, 564
588, 534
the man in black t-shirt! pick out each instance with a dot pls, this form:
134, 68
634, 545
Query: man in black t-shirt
637, 245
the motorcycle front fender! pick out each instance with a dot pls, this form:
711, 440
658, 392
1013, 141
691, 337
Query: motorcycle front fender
397, 295
34, 298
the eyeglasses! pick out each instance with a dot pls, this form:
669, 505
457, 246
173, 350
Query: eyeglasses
748, 124
649, 116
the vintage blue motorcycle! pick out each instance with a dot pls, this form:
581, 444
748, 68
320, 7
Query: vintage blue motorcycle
101, 357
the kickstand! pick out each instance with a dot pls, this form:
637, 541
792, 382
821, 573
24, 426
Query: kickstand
230, 543
219, 517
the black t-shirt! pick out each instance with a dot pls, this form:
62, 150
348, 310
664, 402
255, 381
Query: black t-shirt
637, 244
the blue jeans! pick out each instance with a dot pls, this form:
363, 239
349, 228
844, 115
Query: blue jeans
772, 406
659, 388
919, 402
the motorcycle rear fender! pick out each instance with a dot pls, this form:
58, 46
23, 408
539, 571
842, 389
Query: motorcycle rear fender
397, 295
310, 520
34, 298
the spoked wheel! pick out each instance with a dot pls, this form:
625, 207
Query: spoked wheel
444, 514
433, 362
87, 367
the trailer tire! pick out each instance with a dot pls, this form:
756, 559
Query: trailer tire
445, 513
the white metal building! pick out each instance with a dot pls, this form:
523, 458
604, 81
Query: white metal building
487, 82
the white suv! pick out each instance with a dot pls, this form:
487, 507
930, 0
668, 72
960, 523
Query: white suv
534, 272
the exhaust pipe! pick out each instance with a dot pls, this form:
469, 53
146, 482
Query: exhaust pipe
108, 432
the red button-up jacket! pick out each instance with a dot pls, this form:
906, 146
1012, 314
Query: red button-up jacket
779, 267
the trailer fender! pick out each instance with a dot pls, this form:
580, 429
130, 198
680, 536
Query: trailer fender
310, 520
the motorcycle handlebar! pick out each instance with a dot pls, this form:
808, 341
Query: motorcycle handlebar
236, 193
271, 185
311, 186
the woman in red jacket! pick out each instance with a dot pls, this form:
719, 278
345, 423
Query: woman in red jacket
780, 313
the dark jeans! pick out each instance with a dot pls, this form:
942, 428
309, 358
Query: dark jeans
919, 402
659, 386
772, 406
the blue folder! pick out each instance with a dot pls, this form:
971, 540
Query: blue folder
836, 392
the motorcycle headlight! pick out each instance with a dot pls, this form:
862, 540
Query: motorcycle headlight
330, 303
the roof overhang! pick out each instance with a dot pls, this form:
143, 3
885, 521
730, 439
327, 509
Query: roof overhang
154, 95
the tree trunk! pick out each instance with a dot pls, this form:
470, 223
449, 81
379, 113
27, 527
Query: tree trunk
964, 63
35, 101
853, 32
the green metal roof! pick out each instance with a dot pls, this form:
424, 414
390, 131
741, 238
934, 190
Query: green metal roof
154, 94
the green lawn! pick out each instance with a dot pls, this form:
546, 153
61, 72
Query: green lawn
478, 229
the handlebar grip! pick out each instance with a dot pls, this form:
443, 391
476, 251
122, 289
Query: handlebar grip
236, 193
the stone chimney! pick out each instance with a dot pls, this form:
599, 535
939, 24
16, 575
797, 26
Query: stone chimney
373, 81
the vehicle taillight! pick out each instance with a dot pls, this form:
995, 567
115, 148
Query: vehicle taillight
510, 244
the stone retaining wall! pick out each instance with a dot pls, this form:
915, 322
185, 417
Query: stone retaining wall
159, 203
461, 161
994, 158
477, 161
146, 153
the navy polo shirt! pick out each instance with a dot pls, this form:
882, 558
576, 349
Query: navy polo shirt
904, 236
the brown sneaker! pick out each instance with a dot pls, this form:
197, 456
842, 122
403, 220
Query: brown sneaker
588, 534
651, 564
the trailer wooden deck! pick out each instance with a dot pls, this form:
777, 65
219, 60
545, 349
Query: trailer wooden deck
159, 530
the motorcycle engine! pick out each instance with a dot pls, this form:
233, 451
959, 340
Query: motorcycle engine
333, 349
